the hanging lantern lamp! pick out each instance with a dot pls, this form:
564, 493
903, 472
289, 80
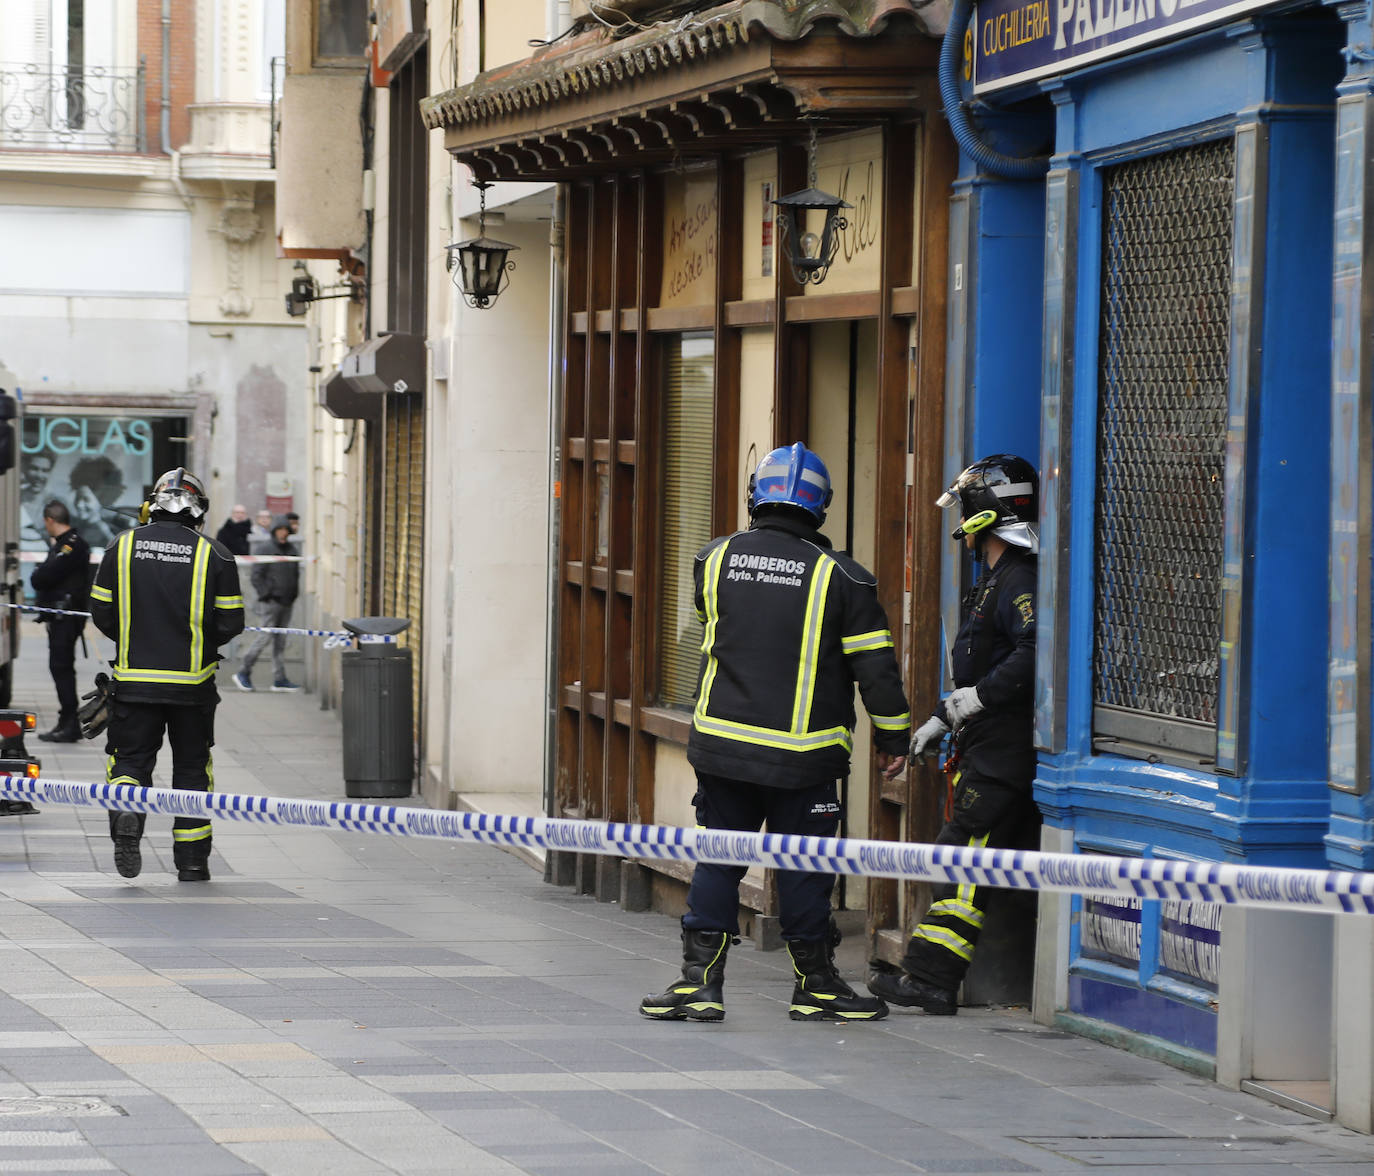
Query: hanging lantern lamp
479, 266
810, 254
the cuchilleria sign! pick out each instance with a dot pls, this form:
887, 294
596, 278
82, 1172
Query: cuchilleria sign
1016, 41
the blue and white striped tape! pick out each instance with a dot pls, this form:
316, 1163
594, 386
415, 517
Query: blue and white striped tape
333, 637
1215, 882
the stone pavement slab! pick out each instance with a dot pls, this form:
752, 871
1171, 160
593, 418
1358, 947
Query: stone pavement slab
347, 1003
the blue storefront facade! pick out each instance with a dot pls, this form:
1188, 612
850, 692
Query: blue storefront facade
1174, 315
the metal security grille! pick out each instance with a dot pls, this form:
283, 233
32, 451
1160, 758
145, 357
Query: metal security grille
1163, 379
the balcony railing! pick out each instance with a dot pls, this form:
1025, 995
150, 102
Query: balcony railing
70, 108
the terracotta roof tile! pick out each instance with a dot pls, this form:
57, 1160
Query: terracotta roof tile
598, 58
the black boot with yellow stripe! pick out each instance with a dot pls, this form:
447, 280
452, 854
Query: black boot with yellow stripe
820, 994
698, 995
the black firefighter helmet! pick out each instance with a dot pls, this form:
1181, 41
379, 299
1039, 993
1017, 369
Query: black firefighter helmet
999, 495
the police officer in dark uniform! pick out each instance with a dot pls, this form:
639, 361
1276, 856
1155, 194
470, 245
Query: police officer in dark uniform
991, 714
169, 598
60, 581
790, 627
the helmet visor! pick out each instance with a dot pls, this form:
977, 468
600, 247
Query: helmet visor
949, 498
175, 500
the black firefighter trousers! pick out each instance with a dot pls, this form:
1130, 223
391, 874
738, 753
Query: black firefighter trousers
803, 896
988, 813
132, 741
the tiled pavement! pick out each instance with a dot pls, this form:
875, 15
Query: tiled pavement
342, 1003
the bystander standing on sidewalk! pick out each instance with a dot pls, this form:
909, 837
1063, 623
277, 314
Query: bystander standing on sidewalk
235, 531
261, 530
277, 583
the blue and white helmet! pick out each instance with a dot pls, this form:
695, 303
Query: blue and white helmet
791, 476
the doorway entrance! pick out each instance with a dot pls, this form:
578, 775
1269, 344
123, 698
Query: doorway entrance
842, 411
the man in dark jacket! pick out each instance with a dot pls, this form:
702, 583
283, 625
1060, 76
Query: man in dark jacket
234, 534
168, 597
60, 581
990, 712
277, 582
790, 627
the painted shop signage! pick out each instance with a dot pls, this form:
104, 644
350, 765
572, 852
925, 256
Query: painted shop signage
1015, 41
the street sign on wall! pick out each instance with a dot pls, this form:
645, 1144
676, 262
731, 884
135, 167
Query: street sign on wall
1015, 41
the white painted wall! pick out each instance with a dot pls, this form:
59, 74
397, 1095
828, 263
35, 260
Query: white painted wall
493, 476
128, 252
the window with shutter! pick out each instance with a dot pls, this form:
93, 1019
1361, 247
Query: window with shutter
688, 427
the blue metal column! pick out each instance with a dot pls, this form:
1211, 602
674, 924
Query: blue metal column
1350, 839
992, 382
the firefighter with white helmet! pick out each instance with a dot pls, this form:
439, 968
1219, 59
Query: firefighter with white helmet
169, 597
790, 627
990, 715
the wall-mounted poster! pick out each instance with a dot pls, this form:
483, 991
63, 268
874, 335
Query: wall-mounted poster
100, 467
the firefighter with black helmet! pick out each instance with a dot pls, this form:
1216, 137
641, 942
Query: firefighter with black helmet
790, 627
169, 597
990, 712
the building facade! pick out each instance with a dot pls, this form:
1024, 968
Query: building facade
687, 349
140, 285
428, 419
1189, 275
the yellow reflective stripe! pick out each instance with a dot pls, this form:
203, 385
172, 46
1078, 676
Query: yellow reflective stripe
946, 939
878, 639
170, 677
710, 589
228, 601
767, 737
122, 558
198, 833
111, 778
892, 722
101, 593
959, 909
197, 617
967, 890
811, 645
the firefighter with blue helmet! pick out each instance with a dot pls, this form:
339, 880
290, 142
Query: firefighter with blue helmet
989, 712
790, 626
168, 597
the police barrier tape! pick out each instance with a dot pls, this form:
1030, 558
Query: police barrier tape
334, 637
1214, 882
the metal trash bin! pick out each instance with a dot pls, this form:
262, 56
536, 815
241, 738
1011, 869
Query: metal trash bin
378, 736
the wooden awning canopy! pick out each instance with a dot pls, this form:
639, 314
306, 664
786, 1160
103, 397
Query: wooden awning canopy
731, 78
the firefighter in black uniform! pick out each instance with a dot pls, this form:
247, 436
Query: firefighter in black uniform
790, 627
60, 582
991, 714
169, 598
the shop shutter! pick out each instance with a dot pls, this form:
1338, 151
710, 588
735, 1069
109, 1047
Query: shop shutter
688, 425
1161, 437
402, 523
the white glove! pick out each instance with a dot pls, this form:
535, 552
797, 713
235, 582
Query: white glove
962, 705
926, 741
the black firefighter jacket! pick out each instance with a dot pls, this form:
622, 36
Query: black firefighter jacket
790, 627
169, 597
995, 651
60, 580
